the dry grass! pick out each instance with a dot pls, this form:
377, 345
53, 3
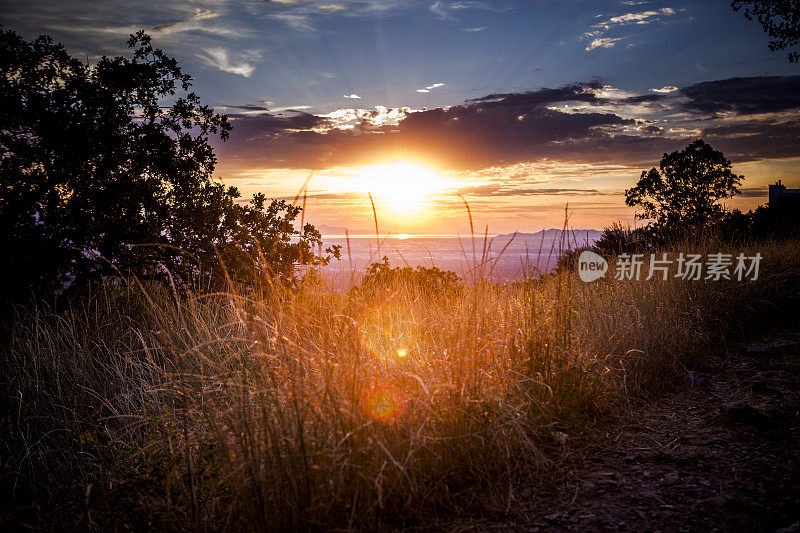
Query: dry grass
280, 409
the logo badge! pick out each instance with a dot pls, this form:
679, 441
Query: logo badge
591, 266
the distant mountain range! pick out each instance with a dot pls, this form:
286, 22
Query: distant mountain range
572, 235
336, 230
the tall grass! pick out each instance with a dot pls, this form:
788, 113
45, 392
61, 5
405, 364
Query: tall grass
285, 409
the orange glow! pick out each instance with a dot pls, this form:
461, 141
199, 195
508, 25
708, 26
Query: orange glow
383, 401
389, 332
405, 187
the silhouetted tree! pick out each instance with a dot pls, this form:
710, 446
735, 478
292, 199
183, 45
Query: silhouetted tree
683, 194
780, 20
93, 163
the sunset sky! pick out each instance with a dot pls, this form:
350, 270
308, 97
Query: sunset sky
519, 106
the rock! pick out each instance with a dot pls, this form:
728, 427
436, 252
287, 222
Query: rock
742, 413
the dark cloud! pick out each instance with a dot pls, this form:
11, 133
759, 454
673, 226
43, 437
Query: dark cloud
651, 130
751, 141
580, 92
642, 99
168, 26
269, 124
745, 96
495, 129
507, 128
753, 192
248, 107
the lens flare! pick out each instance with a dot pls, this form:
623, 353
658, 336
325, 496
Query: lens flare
383, 401
389, 332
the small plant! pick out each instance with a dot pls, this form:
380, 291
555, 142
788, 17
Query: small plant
381, 275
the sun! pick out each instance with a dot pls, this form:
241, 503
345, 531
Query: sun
403, 186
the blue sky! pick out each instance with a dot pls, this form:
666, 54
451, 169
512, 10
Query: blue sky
343, 86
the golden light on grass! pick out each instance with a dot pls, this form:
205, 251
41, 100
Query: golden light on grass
383, 401
308, 391
389, 331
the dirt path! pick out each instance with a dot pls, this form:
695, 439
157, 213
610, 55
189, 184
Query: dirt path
721, 453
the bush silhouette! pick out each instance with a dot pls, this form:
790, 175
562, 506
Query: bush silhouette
94, 165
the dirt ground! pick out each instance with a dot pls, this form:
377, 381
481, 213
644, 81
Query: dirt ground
719, 453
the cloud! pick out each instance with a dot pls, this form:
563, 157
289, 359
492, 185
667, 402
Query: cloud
746, 96
665, 89
353, 96
597, 40
430, 87
485, 6
508, 189
581, 123
443, 10
302, 15
497, 128
751, 141
275, 124
440, 10
290, 108
199, 14
224, 60
604, 42
753, 192
642, 17
296, 21
330, 8
651, 130
476, 28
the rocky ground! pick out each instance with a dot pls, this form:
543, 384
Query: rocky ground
719, 453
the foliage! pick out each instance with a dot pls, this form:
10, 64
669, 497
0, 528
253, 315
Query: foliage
780, 20
381, 275
779, 220
682, 194
616, 240
249, 411
94, 164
